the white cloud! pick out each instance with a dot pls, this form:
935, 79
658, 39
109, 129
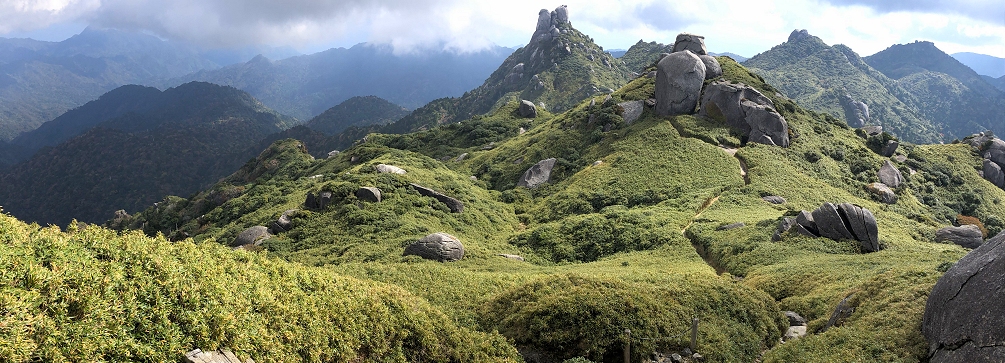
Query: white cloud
867, 26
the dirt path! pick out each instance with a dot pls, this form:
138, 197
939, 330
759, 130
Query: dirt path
743, 164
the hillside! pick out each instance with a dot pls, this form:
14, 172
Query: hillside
635, 228
558, 68
307, 85
641, 55
41, 80
191, 136
983, 64
950, 93
999, 82
357, 111
115, 103
94, 295
834, 79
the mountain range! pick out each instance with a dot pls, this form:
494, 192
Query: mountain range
305, 86
914, 91
557, 213
41, 80
154, 143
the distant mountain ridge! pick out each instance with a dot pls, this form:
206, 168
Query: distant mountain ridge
307, 85
835, 80
357, 111
41, 80
172, 142
950, 93
983, 64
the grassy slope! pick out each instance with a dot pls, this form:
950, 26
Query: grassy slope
616, 241
91, 294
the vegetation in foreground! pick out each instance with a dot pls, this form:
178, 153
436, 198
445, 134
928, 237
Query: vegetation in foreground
630, 242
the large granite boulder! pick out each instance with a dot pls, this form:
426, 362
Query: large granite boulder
842, 221
748, 111
560, 15
538, 174
965, 315
767, 126
967, 235
679, 78
252, 236
993, 173
437, 247
692, 42
455, 206
632, 111
712, 67
890, 175
798, 34
284, 223
527, 109
885, 194
890, 148
369, 194
317, 202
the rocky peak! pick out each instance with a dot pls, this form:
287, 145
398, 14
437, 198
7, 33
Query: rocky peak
551, 24
799, 34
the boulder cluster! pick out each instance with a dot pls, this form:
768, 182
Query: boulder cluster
856, 112
964, 314
993, 150
837, 222
680, 77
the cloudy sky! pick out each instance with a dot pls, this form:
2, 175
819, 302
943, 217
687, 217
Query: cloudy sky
743, 27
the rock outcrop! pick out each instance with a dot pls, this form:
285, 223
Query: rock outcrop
369, 194
389, 169
712, 67
798, 34
538, 174
745, 109
890, 175
691, 42
527, 109
842, 221
317, 202
885, 194
967, 235
993, 150
455, 206
964, 314
632, 111
679, 78
253, 236
437, 247
284, 223
890, 148
773, 199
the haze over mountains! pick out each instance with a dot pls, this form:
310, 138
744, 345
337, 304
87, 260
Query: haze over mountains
304, 86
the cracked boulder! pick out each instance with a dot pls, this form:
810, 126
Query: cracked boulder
437, 247
527, 109
965, 314
679, 78
837, 222
746, 110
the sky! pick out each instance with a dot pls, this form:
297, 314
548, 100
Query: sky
743, 27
